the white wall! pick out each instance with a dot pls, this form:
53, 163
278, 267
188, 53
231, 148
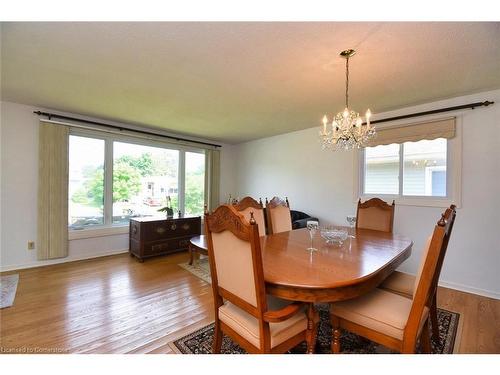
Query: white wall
321, 183
19, 183
318, 182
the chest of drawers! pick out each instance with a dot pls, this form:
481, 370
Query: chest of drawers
156, 236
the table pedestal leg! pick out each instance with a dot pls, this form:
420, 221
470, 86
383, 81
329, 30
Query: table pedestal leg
312, 328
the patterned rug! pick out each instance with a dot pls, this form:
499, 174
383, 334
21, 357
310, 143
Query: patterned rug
200, 268
200, 341
8, 287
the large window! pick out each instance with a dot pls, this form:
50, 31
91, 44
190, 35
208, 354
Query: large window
195, 186
86, 182
410, 169
143, 178
114, 178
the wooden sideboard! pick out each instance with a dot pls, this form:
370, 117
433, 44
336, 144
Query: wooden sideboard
152, 236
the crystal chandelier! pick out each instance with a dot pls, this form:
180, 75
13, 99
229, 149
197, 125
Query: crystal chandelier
347, 130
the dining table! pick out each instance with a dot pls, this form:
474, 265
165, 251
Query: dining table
331, 273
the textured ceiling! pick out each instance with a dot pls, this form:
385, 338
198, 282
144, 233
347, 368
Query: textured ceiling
234, 82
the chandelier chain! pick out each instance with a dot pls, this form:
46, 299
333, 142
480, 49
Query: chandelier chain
347, 83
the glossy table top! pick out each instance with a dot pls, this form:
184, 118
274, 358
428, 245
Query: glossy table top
200, 242
287, 263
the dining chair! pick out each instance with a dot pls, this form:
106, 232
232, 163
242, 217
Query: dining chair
375, 214
404, 284
392, 320
243, 311
278, 215
248, 205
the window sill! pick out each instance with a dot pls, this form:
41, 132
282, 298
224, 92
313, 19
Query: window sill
414, 201
97, 232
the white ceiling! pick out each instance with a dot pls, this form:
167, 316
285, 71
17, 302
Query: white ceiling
235, 82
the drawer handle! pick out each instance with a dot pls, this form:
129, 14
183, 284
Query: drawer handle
160, 230
186, 226
173, 227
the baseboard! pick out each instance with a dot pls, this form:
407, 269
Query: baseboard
470, 289
465, 288
15, 267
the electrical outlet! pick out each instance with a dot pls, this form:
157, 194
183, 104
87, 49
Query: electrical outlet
31, 245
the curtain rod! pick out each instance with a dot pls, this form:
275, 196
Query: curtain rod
120, 128
434, 111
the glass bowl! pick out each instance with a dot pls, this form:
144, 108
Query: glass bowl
334, 236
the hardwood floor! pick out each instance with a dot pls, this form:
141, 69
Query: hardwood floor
118, 305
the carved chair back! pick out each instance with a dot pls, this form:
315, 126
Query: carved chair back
428, 275
278, 215
248, 205
375, 214
235, 261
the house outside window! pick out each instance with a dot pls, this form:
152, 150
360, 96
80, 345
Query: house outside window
415, 171
114, 178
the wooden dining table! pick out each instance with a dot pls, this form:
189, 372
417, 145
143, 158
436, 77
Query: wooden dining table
331, 273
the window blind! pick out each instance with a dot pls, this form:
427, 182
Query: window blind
444, 128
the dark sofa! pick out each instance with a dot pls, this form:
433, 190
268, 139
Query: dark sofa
300, 219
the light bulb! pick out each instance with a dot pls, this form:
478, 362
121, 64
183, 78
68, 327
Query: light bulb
368, 115
359, 122
325, 121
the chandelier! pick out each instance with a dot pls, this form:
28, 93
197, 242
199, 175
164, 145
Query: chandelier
347, 130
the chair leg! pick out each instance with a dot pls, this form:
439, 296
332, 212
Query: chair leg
217, 344
425, 339
335, 320
434, 320
312, 328
190, 255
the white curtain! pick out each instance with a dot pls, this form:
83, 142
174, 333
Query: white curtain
53, 191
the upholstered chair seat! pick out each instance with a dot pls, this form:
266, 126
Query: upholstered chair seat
398, 321
244, 310
380, 311
400, 283
405, 285
248, 326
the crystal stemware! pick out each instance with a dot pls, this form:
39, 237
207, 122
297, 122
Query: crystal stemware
351, 219
312, 227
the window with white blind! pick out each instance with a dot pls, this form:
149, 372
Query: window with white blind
413, 164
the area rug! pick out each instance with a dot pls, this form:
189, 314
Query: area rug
200, 268
8, 287
200, 341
